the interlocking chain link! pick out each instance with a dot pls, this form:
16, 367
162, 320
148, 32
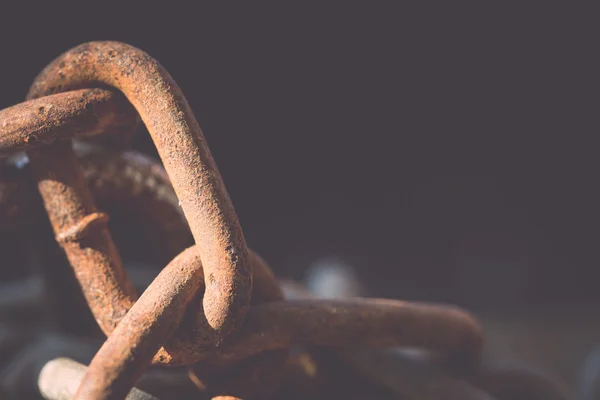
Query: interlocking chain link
216, 307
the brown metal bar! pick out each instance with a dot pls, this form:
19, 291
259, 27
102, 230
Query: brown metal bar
82, 232
60, 377
187, 159
408, 375
74, 114
159, 311
129, 349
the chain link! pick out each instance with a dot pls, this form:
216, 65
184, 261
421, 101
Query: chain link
216, 308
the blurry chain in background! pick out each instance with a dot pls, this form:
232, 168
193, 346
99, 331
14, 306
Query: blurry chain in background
214, 323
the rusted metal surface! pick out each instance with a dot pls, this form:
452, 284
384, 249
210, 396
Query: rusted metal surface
82, 232
129, 350
153, 318
79, 113
253, 377
356, 322
136, 189
187, 160
410, 376
415, 375
123, 183
216, 309
127, 183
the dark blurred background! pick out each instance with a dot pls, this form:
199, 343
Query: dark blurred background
445, 152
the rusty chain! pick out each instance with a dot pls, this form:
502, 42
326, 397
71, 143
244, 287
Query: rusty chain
216, 308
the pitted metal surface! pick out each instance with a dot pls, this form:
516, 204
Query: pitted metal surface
213, 321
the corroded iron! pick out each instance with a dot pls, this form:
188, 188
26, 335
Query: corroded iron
74, 114
188, 162
153, 318
216, 308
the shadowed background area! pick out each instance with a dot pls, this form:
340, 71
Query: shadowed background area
446, 153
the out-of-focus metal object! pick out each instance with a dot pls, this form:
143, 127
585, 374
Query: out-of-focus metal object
60, 378
515, 381
588, 386
411, 373
215, 313
18, 378
332, 278
406, 373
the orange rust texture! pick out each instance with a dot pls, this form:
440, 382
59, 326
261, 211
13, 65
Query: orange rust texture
79, 113
136, 185
276, 325
408, 375
170, 308
356, 322
159, 311
94, 257
188, 162
255, 377
125, 182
